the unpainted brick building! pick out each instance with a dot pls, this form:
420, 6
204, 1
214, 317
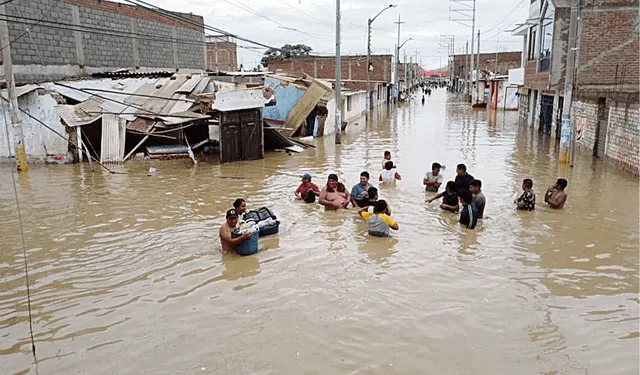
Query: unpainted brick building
222, 53
73, 38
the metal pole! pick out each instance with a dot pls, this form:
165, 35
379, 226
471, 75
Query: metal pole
568, 129
453, 60
473, 30
398, 58
14, 109
338, 112
497, 49
478, 73
370, 105
405, 69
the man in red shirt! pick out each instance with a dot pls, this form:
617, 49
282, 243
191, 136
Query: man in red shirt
307, 190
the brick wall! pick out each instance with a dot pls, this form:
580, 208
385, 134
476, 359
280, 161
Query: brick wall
608, 46
353, 67
534, 80
227, 56
51, 53
506, 61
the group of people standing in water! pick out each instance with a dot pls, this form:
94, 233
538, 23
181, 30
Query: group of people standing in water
463, 195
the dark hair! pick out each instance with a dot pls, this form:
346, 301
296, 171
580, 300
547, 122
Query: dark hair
528, 183
365, 174
372, 192
465, 195
462, 166
333, 176
451, 186
238, 202
477, 183
562, 183
435, 166
380, 206
388, 165
387, 153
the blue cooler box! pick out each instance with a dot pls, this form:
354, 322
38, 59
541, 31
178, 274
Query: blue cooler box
248, 247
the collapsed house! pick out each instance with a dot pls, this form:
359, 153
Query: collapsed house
305, 106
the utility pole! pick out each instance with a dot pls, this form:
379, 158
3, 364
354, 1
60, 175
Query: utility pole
369, 65
478, 73
567, 129
338, 112
14, 110
464, 11
497, 50
398, 58
405, 70
466, 69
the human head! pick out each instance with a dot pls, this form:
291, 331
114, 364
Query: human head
232, 217
435, 168
475, 186
388, 165
527, 183
373, 194
240, 205
461, 169
562, 183
332, 181
380, 206
465, 196
306, 178
450, 187
387, 155
364, 177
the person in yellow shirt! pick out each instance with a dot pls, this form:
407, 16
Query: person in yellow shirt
379, 221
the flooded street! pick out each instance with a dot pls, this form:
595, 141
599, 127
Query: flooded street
127, 275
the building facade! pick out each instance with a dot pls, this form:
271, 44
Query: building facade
222, 53
605, 104
56, 39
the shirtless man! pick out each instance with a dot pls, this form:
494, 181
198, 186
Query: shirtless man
226, 239
556, 196
331, 196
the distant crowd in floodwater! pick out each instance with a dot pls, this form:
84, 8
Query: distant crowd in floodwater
465, 191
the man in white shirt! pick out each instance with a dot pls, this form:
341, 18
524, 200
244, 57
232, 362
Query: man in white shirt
388, 176
433, 180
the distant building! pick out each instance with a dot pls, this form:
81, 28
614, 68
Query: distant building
75, 38
222, 53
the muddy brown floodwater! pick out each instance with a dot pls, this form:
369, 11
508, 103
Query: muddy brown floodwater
128, 277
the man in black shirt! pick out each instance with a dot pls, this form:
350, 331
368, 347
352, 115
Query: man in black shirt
462, 179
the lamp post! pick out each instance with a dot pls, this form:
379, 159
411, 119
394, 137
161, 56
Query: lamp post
398, 63
369, 67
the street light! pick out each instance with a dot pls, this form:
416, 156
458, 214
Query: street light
369, 65
398, 62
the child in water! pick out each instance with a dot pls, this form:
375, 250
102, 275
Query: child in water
388, 176
387, 157
380, 221
469, 214
449, 198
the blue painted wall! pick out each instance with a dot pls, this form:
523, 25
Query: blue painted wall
286, 98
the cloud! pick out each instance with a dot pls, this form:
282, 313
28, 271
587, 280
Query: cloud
312, 22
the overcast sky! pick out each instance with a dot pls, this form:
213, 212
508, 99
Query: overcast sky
425, 20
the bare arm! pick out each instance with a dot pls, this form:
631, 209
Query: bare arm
455, 208
225, 234
395, 226
556, 201
323, 198
436, 197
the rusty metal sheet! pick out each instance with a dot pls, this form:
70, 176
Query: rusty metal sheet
141, 125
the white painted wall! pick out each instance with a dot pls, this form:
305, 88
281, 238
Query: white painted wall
358, 109
37, 138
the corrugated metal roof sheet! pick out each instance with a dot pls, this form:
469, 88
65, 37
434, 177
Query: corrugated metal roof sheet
21, 90
141, 124
189, 85
113, 139
237, 100
202, 85
77, 115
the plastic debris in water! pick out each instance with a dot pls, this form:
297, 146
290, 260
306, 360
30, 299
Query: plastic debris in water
152, 171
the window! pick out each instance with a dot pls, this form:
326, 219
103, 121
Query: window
532, 43
547, 39
348, 103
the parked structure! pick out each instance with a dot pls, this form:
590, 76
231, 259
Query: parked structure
222, 53
605, 109
59, 39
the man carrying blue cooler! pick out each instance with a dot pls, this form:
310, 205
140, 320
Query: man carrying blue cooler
226, 239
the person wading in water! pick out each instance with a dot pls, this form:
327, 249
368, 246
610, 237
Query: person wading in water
334, 195
226, 239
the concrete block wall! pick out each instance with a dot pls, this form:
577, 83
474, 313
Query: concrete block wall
353, 67
51, 53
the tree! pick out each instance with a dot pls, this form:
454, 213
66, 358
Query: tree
285, 52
